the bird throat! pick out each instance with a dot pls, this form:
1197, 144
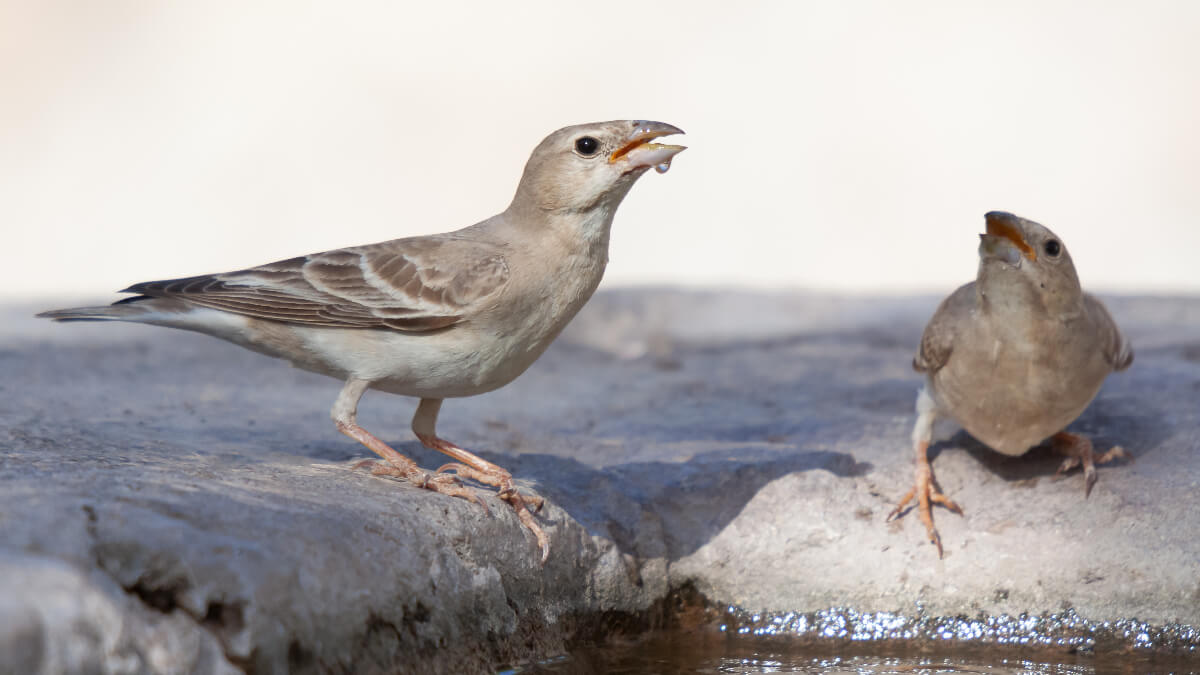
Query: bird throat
1004, 290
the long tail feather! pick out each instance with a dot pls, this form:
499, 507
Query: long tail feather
124, 310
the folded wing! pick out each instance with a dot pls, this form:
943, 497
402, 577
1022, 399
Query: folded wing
415, 284
1117, 350
937, 342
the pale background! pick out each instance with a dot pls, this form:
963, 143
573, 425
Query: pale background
851, 146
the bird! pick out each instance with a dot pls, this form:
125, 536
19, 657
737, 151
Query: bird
1014, 357
433, 317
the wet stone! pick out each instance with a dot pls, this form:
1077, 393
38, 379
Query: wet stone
171, 502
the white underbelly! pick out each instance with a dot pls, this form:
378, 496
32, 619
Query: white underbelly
445, 364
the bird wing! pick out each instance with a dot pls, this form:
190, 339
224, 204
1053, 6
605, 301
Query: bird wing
415, 284
1117, 350
937, 342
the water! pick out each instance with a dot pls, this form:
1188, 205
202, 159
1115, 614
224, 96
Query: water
698, 637
709, 651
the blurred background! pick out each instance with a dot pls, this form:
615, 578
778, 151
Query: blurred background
847, 146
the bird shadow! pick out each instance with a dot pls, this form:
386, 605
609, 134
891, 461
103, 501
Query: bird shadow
1103, 422
684, 503
647, 508
734, 437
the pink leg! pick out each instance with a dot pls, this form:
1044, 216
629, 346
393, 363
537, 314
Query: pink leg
479, 469
1078, 450
925, 487
397, 464
927, 494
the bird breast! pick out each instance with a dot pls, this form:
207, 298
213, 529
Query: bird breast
1012, 390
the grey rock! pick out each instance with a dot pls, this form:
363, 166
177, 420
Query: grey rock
172, 503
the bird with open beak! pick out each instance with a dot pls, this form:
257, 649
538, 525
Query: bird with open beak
1014, 357
437, 316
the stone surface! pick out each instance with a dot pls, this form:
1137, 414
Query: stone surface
172, 503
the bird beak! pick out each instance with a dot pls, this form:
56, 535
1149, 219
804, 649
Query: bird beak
1005, 240
639, 152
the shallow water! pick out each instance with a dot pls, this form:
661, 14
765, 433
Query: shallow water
713, 652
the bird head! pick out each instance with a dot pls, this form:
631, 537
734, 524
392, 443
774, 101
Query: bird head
586, 166
1021, 261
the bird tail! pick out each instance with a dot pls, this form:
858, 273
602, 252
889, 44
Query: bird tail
122, 310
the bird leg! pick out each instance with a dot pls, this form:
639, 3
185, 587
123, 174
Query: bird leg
478, 469
925, 489
344, 416
1078, 450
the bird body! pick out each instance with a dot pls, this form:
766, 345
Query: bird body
1007, 384
1014, 356
438, 316
498, 321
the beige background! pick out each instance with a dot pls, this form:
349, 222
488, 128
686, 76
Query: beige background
837, 145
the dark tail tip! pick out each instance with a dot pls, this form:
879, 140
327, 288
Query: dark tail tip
78, 314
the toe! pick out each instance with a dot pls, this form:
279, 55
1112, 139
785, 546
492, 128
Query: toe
538, 533
900, 506
939, 498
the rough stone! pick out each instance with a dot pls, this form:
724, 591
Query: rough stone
172, 503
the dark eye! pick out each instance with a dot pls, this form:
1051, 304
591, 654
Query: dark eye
587, 146
1052, 248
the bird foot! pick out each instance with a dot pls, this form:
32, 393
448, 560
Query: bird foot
1078, 450
524, 505
927, 494
441, 483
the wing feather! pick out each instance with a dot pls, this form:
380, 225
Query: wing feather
1117, 350
937, 342
415, 284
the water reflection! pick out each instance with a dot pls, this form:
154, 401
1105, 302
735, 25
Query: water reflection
713, 652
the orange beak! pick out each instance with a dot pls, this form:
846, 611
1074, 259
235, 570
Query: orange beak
1004, 225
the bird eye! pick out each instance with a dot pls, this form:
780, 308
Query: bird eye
587, 146
1052, 248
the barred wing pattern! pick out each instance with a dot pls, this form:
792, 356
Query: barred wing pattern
416, 284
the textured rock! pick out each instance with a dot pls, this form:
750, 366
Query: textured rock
173, 503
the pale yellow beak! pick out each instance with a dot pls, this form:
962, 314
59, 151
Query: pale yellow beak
639, 152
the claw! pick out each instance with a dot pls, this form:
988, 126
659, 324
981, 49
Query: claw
528, 521
1089, 481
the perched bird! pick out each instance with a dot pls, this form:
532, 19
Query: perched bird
438, 316
1014, 357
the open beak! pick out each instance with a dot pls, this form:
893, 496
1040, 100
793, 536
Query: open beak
1005, 240
640, 153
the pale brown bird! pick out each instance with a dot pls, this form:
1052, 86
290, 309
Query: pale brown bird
438, 316
1014, 357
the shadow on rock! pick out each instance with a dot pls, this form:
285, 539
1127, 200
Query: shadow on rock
712, 489
1105, 422
658, 508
